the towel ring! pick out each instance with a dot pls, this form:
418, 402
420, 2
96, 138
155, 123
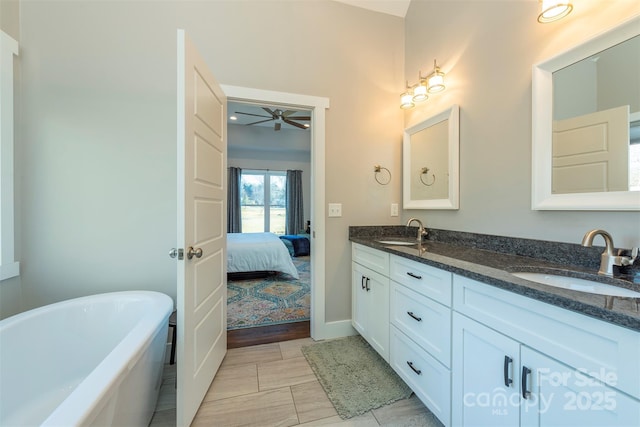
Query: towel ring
377, 169
424, 171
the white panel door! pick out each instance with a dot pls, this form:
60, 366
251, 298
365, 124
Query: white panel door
201, 291
591, 152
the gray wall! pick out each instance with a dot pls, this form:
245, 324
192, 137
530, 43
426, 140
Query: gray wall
10, 289
99, 129
487, 49
98, 123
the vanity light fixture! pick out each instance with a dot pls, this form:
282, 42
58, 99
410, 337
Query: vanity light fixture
553, 10
419, 92
436, 79
406, 99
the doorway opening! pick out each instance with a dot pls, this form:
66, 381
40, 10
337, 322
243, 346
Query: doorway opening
273, 115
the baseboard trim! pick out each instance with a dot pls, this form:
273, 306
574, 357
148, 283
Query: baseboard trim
330, 330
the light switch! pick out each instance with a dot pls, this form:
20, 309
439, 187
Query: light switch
394, 209
335, 209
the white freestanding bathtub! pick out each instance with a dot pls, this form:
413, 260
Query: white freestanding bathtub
94, 360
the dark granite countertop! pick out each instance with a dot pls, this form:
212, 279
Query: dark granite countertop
494, 268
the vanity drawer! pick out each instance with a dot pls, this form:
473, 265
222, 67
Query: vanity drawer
424, 279
373, 259
425, 321
428, 378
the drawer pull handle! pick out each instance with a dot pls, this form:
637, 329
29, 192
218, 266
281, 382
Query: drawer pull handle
414, 275
418, 319
507, 380
362, 282
367, 287
417, 371
525, 374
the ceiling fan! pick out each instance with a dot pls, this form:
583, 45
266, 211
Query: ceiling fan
279, 117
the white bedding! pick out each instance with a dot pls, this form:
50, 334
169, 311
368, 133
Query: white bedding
258, 252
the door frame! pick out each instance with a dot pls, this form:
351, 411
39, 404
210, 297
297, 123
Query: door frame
320, 329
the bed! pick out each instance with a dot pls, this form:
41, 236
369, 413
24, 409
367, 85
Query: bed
258, 252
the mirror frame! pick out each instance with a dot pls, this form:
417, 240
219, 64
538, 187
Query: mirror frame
542, 109
452, 202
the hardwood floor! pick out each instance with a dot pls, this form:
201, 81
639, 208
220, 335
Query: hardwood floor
268, 334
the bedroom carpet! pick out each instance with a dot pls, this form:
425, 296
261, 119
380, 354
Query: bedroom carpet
354, 376
269, 301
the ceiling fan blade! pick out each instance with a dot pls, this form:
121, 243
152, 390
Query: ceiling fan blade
250, 114
299, 118
277, 126
261, 121
287, 113
298, 125
273, 113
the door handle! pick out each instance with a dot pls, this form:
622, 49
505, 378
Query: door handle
191, 252
507, 378
176, 253
368, 288
525, 390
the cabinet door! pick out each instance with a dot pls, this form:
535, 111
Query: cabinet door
558, 395
378, 314
359, 298
484, 376
370, 307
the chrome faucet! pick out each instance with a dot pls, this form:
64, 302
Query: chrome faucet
422, 232
608, 259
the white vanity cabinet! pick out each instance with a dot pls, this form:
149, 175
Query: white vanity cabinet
370, 297
421, 332
518, 361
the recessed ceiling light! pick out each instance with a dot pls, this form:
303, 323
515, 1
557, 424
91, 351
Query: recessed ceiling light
233, 118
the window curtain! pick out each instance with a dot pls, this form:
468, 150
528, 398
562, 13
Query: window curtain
234, 212
295, 208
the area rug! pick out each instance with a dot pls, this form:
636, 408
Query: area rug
271, 300
354, 376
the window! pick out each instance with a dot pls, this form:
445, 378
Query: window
8, 266
262, 201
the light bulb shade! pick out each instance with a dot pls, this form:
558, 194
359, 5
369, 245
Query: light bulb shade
552, 10
420, 93
406, 100
436, 82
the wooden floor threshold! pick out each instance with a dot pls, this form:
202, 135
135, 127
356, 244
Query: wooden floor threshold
267, 334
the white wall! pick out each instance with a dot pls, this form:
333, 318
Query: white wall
99, 127
487, 49
260, 147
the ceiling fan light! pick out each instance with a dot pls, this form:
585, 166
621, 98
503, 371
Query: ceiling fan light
553, 10
406, 99
420, 93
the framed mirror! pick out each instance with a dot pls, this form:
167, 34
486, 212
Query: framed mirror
586, 125
431, 162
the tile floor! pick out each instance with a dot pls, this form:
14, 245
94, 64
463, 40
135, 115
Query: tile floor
273, 385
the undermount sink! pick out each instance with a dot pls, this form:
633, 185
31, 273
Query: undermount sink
575, 284
397, 242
